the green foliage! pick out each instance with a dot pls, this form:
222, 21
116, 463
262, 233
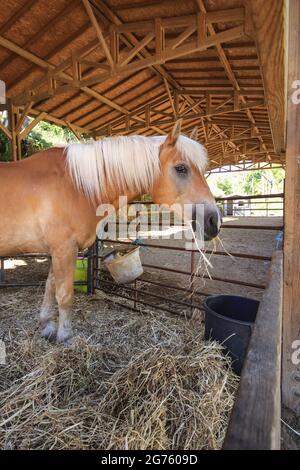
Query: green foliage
42, 137
34, 143
225, 185
4, 148
252, 183
279, 175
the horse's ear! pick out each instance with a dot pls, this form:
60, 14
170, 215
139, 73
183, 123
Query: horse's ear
194, 134
173, 136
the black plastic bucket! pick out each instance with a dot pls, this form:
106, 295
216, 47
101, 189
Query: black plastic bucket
229, 320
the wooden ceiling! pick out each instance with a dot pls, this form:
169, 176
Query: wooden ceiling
135, 67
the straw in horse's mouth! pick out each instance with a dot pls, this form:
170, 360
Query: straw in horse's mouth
204, 261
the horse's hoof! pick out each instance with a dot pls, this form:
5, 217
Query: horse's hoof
49, 332
64, 336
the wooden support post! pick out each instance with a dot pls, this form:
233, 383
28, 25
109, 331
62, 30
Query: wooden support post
148, 115
170, 96
159, 39
176, 103
291, 309
201, 29
208, 104
12, 117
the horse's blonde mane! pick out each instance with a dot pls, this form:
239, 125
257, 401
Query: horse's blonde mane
124, 162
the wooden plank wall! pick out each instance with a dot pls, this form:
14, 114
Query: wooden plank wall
255, 418
291, 306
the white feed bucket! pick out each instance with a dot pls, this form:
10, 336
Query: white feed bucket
124, 266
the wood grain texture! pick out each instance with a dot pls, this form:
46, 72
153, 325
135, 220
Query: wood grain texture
268, 22
291, 317
255, 418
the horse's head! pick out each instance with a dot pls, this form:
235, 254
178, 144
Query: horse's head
181, 179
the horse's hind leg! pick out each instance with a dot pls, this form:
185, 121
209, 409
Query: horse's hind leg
48, 314
63, 260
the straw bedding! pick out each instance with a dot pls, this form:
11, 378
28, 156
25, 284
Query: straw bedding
128, 380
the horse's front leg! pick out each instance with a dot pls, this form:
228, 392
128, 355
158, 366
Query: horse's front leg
48, 314
63, 260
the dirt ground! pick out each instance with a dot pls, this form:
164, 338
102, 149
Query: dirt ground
248, 241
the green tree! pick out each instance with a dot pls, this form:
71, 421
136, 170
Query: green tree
42, 137
278, 175
4, 148
252, 183
225, 185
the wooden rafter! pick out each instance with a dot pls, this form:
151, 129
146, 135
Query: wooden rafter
167, 118
32, 125
99, 33
46, 65
226, 64
25, 113
143, 45
268, 20
167, 52
130, 39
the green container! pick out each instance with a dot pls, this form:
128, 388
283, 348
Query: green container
81, 272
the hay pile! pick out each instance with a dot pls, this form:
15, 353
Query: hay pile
129, 381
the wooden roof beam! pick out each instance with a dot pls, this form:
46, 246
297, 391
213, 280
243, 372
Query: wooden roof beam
131, 40
99, 33
268, 21
32, 125
59, 122
225, 61
46, 65
169, 119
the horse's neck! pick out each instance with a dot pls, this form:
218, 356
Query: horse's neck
118, 198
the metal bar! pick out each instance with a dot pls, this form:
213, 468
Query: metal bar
255, 196
34, 284
157, 296
177, 248
90, 272
168, 286
186, 315
262, 227
213, 278
150, 305
193, 265
254, 227
2, 270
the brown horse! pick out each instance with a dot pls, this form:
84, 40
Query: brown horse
48, 202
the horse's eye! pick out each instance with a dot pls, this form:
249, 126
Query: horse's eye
181, 169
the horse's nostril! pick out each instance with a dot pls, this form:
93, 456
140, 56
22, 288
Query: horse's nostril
211, 220
212, 224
